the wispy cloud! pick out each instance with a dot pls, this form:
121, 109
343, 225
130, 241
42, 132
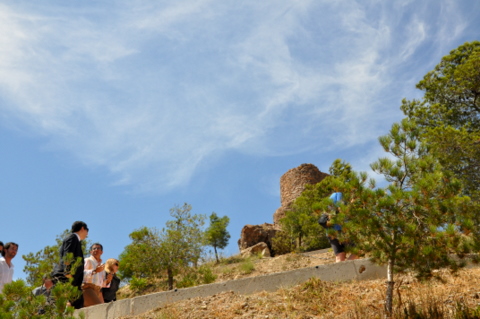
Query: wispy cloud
151, 91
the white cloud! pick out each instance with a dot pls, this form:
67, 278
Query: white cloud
152, 91
417, 35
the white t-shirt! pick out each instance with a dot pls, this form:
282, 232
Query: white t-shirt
89, 277
6, 273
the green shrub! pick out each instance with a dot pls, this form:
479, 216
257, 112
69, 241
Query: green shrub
247, 266
17, 301
463, 312
189, 279
232, 260
282, 243
227, 271
197, 276
207, 274
138, 284
316, 242
434, 308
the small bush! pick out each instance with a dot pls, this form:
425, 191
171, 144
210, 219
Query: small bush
17, 301
463, 312
247, 267
227, 271
433, 310
190, 279
207, 274
317, 242
431, 307
138, 284
232, 260
282, 243
197, 276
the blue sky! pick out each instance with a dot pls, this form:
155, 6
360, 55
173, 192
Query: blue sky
113, 112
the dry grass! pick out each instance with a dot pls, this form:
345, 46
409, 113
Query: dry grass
319, 299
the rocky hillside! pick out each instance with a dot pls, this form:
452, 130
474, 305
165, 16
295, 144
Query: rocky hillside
317, 299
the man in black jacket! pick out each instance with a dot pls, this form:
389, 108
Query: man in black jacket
72, 244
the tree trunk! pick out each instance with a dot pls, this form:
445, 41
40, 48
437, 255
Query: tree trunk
170, 278
390, 284
216, 255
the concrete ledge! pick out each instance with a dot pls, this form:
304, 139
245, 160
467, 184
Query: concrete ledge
361, 269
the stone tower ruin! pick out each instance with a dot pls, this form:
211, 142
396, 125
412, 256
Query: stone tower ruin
257, 238
292, 184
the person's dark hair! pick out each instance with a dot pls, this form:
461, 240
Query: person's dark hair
1, 243
77, 226
96, 244
6, 246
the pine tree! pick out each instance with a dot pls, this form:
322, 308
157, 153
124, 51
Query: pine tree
216, 235
449, 114
413, 223
175, 246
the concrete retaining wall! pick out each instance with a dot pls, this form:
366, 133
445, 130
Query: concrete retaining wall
361, 269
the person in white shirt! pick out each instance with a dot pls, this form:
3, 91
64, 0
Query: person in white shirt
6, 266
93, 277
